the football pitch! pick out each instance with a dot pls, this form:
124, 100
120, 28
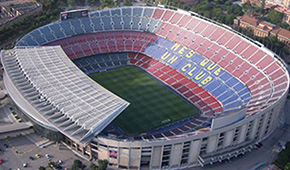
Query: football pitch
152, 105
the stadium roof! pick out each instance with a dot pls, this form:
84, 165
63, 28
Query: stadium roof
86, 106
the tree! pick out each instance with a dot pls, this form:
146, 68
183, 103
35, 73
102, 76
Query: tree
103, 164
78, 164
94, 166
52, 164
93, 2
235, 9
275, 17
108, 3
70, 2
49, 4
287, 166
127, 2
41, 168
228, 3
283, 160
229, 19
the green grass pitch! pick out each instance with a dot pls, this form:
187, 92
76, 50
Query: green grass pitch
152, 105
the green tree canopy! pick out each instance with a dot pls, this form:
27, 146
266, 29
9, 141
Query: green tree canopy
49, 4
103, 164
41, 168
78, 165
283, 160
275, 17
94, 166
70, 2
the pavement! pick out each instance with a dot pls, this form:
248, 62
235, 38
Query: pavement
21, 148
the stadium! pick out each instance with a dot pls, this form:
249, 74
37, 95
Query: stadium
147, 87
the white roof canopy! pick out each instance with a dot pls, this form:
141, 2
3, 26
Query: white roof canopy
83, 101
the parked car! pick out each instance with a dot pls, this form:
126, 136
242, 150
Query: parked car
5, 145
31, 158
37, 155
1, 160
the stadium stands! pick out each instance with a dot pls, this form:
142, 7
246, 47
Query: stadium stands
217, 70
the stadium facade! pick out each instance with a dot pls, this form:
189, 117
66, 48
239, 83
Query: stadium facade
238, 85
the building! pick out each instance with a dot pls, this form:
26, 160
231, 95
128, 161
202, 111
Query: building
263, 28
282, 35
238, 85
13, 10
281, 3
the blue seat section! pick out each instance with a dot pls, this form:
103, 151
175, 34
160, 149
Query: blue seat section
97, 24
107, 23
144, 24
127, 18
105, 13
77, 26
107, 58
66, 27
160, 41
148, 12
126, 11
47, 33
238, 86
209, 75
110, 64
221, 92
168, 44
211, 86
123, 56
94, 14
56, 29
101, 62
136, 21
158, 52
117, 23
21, 43
114, 58
127, 21
102, 65
226, 76
115, 62
37, 37
137, 12
231, 82
116, 12
246, 95
27, 40
150, 49
154, 25
230, 98
86, 22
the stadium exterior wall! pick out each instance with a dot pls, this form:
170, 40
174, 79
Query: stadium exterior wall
42, 128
